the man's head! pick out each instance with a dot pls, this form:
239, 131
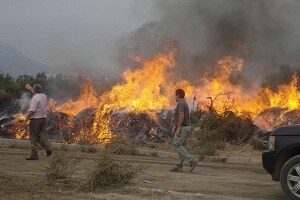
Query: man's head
179, 94
37, 88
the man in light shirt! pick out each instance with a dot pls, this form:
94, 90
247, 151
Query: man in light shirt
36, 115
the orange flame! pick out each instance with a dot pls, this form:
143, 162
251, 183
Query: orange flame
151, 87
233, 97
87, 99
141, 91
18, 128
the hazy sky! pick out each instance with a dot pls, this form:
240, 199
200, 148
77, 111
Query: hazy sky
58, 32
100, 34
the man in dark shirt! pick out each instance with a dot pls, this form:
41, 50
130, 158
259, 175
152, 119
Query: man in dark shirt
181, 132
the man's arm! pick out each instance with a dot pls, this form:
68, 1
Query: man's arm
28, 87
29, 115
180, 121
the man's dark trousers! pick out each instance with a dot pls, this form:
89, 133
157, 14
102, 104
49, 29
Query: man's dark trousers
37, 129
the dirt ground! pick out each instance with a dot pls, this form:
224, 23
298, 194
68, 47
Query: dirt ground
22, 179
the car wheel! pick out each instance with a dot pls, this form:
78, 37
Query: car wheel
290, 178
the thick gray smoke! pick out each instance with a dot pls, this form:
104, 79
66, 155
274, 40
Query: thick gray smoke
264, 33
24, 101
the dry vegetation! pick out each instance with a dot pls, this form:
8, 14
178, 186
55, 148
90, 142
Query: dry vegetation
121, 146
61, 166
109, 172
211, 131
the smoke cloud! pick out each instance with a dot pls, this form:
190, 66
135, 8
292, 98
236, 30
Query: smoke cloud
263, 33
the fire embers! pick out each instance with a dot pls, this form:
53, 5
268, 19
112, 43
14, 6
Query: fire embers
12, 127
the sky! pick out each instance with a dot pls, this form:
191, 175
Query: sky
62, 32
102, 34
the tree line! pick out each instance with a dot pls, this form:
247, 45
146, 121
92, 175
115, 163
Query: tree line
56, 86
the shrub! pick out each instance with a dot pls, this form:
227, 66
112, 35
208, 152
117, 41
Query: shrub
60, 166
196, 116
204, 142
213, 130
108, 172
228, 126
5, 98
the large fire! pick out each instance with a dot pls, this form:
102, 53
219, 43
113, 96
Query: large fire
151, 87
143, 90
87, 99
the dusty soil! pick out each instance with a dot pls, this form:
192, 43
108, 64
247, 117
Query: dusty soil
22, 179
242, 150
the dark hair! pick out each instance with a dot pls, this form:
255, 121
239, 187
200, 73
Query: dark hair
180, 93
37, 88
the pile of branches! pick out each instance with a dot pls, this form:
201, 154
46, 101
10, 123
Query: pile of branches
228, 126
212, 131
138, 127
141, 128
275, 117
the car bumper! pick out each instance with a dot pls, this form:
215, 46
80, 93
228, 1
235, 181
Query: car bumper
269, 162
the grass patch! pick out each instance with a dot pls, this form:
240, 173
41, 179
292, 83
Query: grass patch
88, 149
64, 147
121, 146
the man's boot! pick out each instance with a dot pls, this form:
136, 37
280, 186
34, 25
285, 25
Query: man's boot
32, 157
176, 168
193, 164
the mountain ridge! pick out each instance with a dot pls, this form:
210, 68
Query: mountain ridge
16, 63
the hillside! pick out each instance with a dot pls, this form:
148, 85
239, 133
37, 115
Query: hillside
14, 62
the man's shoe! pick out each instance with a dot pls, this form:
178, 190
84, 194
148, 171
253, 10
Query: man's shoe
32, 158
193, 164
176, 168
49, 153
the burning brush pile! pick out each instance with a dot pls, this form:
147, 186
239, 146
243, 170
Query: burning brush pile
135, 109
140, 108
